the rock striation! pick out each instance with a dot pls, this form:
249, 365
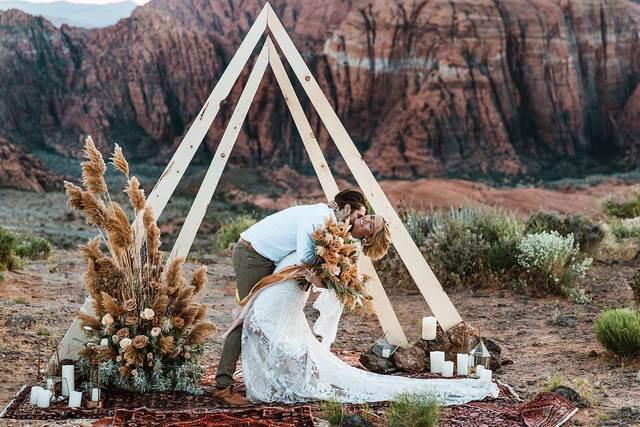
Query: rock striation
425, 88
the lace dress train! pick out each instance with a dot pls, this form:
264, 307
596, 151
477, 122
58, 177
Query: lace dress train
283, 361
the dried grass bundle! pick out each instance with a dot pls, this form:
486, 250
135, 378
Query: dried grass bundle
93, 169
119, 161
189, 313
118, 228
105, 353
160, 305
153, 236
200, 333
89, 321
136, 194
109, 305
198, 279
166, 344
183, 299
201, 314
174, 278
91, 250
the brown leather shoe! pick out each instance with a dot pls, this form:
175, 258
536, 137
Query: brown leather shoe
230, 397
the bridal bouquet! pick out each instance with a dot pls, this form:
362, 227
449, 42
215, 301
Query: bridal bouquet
147, 333
336, 263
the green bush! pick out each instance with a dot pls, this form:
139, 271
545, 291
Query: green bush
229, 232
34, 247
586, 233
333, 412
626, 228
628, 208
8, 259
414, 410
551, 262
619, 331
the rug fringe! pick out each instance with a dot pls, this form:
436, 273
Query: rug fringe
511, 390
571, 414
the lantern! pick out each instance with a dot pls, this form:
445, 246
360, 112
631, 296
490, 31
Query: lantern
480, 355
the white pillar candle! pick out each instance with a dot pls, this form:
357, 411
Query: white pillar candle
75, 398
68, 378
437, 360
429, 328
35, 391
486, 375
462, 364
50, 384
447, 369
44, 397
479, 369
386, 352
95, 394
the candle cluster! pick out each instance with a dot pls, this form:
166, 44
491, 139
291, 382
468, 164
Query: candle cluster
41, 397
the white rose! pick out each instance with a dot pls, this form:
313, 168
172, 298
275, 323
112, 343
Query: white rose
155, 331
125, 342
115, 339
104, 341
107, 319
147, 314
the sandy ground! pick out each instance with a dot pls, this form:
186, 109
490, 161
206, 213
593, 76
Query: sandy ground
543, 336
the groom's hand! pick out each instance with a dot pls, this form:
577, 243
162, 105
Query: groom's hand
312, 277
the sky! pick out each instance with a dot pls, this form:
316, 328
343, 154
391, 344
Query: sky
88, 1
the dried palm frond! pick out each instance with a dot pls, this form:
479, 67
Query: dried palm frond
119, 161
174, 278
118, 228
199, 279
109, 305
93, 169
153, 235
201, 314
89, 321
136, 194
200, 333
166, 344
160, 305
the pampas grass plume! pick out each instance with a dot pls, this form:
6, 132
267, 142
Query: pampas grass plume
93, 169
199, 279
119, 161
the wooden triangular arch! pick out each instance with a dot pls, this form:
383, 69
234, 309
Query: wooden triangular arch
436, 298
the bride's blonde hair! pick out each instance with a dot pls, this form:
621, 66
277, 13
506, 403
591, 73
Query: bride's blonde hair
377, 246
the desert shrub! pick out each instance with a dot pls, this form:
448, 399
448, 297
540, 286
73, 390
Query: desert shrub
7, 250
229, 232
626, 228
586, 233
34, 247
333, 412
628, 208
612, 247
618, 331
634, 284
551, 261
414, 410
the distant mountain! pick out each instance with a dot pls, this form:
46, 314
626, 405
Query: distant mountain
75, 14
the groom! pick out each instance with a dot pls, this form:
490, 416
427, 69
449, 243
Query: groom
267, 242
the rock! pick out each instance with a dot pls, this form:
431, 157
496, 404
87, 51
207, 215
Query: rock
564, 321
593, 353
441, 343
406, 93
572, 396
24, 171
412, 359
354, 420
23, 321
375, 363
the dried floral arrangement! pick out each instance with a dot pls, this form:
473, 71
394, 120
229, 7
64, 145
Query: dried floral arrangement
147, 333
336, 262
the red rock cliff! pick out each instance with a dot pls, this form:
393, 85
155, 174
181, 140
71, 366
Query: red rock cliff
424, 87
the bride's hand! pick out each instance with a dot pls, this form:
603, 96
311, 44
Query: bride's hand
312, 277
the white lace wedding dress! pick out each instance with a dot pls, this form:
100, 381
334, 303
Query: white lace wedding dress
283, 361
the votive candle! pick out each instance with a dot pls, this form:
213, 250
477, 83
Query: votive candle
429, 328
462, 364
33, 399
437, 361
447, 369
479, 369
44, 397
75, 399
68, 378
486, 374
386, 352
95, 394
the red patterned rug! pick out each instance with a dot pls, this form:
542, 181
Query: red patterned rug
122, 408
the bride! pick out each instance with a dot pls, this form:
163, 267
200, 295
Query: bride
283, 361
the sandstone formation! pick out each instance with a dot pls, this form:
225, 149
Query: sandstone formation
425, 88
24, 171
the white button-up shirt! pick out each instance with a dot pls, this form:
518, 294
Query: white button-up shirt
289, 230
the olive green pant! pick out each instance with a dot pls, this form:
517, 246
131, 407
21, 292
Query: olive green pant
249, 267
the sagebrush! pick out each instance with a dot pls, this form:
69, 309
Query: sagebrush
414, 410
618, 330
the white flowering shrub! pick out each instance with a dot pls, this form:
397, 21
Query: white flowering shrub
551, 262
